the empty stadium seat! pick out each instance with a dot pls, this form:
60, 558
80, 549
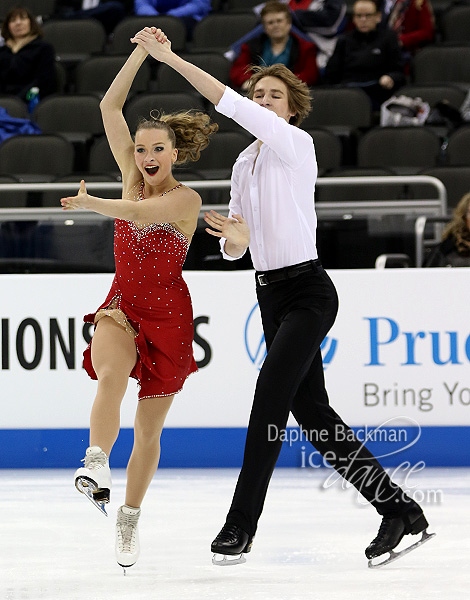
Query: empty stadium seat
75, 40
405, 150
173, 27
439, 64
96, 74
36, 157
219, 31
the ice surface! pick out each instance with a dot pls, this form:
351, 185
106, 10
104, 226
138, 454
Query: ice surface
310, 541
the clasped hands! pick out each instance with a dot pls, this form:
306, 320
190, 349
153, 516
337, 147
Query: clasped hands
153, 40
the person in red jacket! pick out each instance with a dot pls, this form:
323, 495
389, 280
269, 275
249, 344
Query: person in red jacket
413, 21
278, 44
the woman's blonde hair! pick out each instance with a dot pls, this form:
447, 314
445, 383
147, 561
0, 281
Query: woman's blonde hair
188, 131
458, 227
298, 95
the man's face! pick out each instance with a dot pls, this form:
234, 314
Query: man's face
365, 16
277, 25
272, 93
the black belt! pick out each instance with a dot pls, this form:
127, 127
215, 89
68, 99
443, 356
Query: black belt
275, 275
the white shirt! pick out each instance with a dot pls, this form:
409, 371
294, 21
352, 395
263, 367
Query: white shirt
276, 198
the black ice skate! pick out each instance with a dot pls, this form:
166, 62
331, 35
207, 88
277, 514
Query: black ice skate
391, 532
94, 479
231, 543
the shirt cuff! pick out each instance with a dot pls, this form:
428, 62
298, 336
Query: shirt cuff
224, 254
226, 105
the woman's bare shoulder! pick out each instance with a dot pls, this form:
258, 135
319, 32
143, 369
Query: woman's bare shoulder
187, 194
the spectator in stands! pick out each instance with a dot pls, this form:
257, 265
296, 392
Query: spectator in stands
317, 21
454, 250
322, 21
189, 11
277, 44
412, 20
367, 56
26, 61
109, 13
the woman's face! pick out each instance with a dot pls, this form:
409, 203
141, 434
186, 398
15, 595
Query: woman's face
154, 154
19, 26
277, 26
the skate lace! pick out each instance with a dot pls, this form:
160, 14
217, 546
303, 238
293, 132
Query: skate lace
126, 531
383, 529
227, 533
94, 461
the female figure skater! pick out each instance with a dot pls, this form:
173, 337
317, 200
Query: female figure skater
144, 328
272, 212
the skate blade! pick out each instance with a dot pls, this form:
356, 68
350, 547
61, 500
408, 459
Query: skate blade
228, 561
88, 488
125, 567
396, 555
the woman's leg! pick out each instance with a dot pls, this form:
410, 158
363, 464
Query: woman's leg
113, 355
149, 420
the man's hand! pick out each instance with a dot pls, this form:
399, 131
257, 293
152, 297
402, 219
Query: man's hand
234, 229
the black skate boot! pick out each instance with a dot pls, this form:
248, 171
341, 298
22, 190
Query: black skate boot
231, 541
391, 532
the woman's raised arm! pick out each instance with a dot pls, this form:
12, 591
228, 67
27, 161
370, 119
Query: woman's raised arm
117, 131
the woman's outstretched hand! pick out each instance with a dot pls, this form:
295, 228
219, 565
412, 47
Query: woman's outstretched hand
154, 41
234, 229
81, 200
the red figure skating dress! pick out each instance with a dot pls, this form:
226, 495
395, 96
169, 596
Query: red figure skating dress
150, 299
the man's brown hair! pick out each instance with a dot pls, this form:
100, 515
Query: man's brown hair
298, 94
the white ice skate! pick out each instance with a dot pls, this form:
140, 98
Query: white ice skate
127, 536
94, 479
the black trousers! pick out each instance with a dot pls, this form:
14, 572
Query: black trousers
297, 314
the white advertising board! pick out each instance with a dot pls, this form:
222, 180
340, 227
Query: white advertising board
399, 350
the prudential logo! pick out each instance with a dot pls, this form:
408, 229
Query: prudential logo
255, 343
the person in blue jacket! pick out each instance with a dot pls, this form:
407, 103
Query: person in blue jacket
190, 11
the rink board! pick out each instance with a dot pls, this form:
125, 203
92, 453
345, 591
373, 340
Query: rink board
397, 367
223, 447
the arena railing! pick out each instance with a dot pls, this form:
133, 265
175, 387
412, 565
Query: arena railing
411, 208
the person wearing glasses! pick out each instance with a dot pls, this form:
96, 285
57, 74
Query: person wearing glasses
367, 57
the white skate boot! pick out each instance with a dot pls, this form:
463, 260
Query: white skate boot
127, 536
94, 479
